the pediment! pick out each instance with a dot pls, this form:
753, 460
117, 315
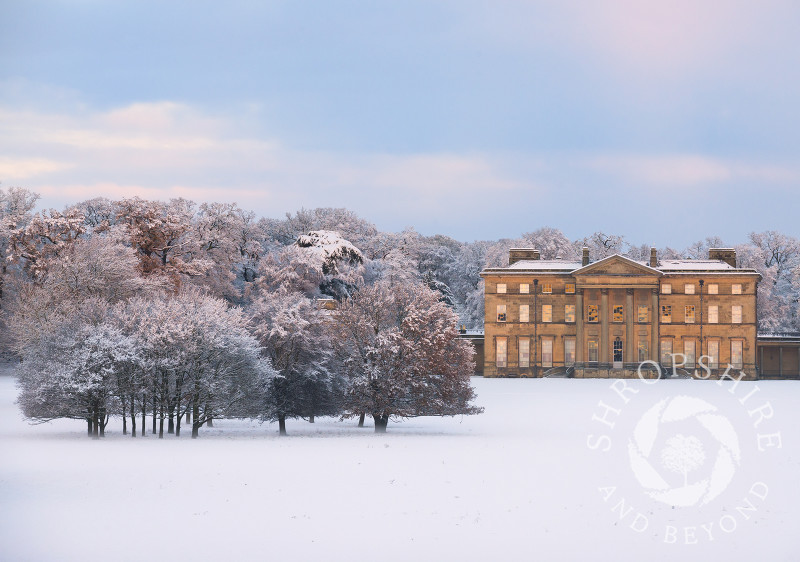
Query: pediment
617, 265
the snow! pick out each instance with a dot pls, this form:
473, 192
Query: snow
518, 482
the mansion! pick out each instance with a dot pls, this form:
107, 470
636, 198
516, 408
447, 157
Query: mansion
603, 319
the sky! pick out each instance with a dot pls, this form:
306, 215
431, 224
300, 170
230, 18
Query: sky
665, 122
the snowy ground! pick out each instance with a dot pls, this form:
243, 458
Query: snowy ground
519, 482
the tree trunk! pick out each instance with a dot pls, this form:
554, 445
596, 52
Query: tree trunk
178, 419
361, 419
89, 424
380, 423
144, 413
95, 424
282, 425
161, 427
210, 422
102, 420
124, 418
133, 417
154, 413
196, 416
171, 423
188, 416
311, 418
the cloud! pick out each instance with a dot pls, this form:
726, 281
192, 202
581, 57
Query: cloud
166, 149
688, 170
15, 169
650, 41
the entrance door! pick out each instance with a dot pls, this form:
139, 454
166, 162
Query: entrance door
618, 353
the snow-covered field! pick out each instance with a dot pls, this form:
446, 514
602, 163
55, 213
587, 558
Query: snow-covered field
519, 482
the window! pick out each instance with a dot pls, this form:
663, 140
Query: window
666, 289
569, 351
688, 352
713, 314
688, 314
617, 317
618, 350
592, 351
569, 313
525, 352
524, 288
642, 350
642, 313
666, 352
713, 289
666, 314
569, 288
501, 313
501, 288
547, 313
547, 288
736, 314
688, 289
713, 354
547, 352
524, 313
736, 354
502, 352
736, 289
593, 317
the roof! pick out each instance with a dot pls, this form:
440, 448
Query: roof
695, 265
778, 337
561, 265
664, 266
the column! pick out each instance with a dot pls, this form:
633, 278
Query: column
654, 356
604, 326
629, 330
579, 313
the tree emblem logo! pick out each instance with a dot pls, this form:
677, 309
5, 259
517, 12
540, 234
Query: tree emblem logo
695, 447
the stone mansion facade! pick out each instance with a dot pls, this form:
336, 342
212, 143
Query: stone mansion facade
603, 319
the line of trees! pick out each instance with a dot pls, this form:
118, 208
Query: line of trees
167, 314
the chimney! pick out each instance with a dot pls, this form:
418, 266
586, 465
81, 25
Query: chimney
653, 258
521, 254
585, 258
728, 255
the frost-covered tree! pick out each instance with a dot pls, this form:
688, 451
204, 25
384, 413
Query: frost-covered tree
199, 357
776, 257
602, 245
99, 214
348, 224
44, 237
551, 243
162, 235
16, 211
320, 262
72, 373
294, 335
328, 250
87, 272
400, 349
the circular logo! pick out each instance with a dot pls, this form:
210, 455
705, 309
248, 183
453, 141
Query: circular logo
683, 452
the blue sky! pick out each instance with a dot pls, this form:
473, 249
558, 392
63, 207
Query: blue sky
665, 122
